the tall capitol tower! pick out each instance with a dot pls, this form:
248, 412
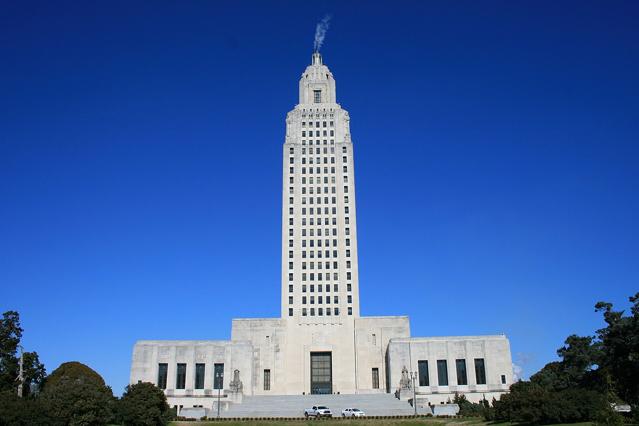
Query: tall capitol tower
320, 344
319, 226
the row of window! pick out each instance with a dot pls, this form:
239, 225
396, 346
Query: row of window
311, 232
311, 253
318, 210
317, 149
312, 190
327, 265
320, 300
200, 374
311, 276
327, 300
317, 142
317, 124
319, 179
327, 288
318, 200
315, 113
318, 160
311, 243
318, 170
460, 366
320, 311
320, 276
318, 133
312, 222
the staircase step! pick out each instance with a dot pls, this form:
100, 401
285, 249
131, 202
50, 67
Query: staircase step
294, 405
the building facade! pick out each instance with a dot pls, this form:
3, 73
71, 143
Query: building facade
320, 343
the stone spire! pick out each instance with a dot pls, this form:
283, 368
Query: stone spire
317, 83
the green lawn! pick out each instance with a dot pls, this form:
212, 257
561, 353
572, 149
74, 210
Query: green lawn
334, 422
359, 422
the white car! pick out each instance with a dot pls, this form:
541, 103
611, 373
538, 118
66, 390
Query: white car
318, 411
352, 412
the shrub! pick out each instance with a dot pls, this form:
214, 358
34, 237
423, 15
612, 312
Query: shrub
144, 404
531, 403
74, 394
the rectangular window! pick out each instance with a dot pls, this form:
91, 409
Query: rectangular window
503, 379
375, 378
460, 365
442, 372
422, 367
180, 378
199, 376
317, 98
218, 376
163, 370
267, 380
480, 371
290, 312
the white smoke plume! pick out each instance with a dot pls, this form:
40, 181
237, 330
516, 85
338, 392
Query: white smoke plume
518, 372
320, 32
521, 364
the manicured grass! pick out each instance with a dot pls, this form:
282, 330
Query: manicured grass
359, 422
340, 422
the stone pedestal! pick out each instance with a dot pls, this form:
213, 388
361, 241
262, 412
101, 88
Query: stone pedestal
234, 397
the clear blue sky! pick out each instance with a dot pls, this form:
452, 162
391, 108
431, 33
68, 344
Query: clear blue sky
496, 149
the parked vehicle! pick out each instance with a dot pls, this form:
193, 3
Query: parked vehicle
352, 412
318, 411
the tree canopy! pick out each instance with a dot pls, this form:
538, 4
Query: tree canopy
10, 338
144, 404
75, 394
593, 372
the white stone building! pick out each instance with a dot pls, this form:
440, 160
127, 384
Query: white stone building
321, 344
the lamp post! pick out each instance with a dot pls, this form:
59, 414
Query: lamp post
413, 377
218, 381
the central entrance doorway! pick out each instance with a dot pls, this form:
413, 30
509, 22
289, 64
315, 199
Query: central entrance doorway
321, 373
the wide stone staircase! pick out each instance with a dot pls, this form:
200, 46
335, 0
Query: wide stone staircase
294, 405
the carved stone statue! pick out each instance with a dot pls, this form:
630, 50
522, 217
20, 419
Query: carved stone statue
404, 382
236, 383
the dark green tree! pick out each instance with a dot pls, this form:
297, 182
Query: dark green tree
593, 373
25, 411
33, 370
143, 404
534, 404
74, 394
579, 359
467, 408
620, 349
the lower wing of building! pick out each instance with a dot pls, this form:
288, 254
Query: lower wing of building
350, 356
